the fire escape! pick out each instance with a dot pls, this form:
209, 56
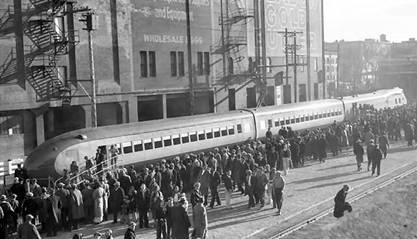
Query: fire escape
49, 43
233, 21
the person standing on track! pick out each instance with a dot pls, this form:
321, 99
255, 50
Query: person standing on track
278, 185
369, 149
340, 203
359, 152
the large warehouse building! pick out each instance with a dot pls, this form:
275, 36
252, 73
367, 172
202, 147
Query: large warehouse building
243, 55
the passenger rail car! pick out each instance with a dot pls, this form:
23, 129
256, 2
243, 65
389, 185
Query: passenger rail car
142, 142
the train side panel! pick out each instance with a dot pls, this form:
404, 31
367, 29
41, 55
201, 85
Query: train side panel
136, 149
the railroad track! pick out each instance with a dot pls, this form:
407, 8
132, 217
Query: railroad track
354, 198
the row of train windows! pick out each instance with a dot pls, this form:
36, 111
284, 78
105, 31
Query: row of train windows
397, 101
303, 119
178, 139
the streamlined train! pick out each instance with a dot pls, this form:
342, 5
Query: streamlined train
142, 142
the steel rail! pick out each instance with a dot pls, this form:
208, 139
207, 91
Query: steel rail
324, 213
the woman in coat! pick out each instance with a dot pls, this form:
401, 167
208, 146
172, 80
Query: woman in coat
98, 197
77, 206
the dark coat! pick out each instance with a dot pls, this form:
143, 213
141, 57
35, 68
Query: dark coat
341, 205
116, 199
143, 200
28, 231
30, 206
130, 234
77, 204
180, 223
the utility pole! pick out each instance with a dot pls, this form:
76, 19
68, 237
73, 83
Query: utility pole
190, 70
256, 28
88, 19
322, 50
308, 43
337, 68
223, 41
286, 55
295, 67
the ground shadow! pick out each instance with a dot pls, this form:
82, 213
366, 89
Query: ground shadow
337, 166
335, 183
316, 179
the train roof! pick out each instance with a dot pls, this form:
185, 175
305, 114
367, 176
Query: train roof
373, 95
151, 126
297, 106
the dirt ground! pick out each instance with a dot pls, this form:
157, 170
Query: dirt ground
390, 212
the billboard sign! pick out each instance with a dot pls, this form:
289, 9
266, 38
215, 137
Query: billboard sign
290, 14
164, 22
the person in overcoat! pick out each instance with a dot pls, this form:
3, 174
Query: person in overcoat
28, 230
143, 205
200, 221
77, 206
359, 152
130, 232
98, 202
117, 195
180, 221
340, 202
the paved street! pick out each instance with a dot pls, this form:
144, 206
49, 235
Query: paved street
307, 187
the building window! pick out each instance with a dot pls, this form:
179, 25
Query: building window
207, 63
152, 64
200, 69
230, 64
181, 68
173, 63
10, 125
143, 64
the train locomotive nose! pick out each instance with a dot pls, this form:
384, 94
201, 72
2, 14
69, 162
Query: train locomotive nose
40, 164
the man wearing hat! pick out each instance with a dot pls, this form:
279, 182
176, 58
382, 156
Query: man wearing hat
117, 195
28, 229
369, 149
359, 152
7, 220
64, 197
30, 206
199, 220
278, 184
250, 188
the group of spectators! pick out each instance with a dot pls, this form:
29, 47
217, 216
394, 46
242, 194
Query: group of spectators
255, 169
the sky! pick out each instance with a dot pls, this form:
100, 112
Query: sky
360, 19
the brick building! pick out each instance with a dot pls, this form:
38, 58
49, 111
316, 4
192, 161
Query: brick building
140, 60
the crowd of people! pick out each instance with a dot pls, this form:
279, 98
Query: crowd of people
256, 169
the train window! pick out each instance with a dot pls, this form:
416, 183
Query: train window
231, 130
329, 114
239, 128
209, 134
399, 100
293, 121
137, 146
193, 137
311, 117
287, 121
216, 133
282, 122
320, 116
224, 131
176, 139
302, 118
277, 123
127, 148
340, 112
148, 144
201, 135
396, 102
316, 116
333, 113
167, 141
297, 120
157, 142
184, 138
270, 123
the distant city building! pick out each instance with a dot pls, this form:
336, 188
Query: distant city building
400, 68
